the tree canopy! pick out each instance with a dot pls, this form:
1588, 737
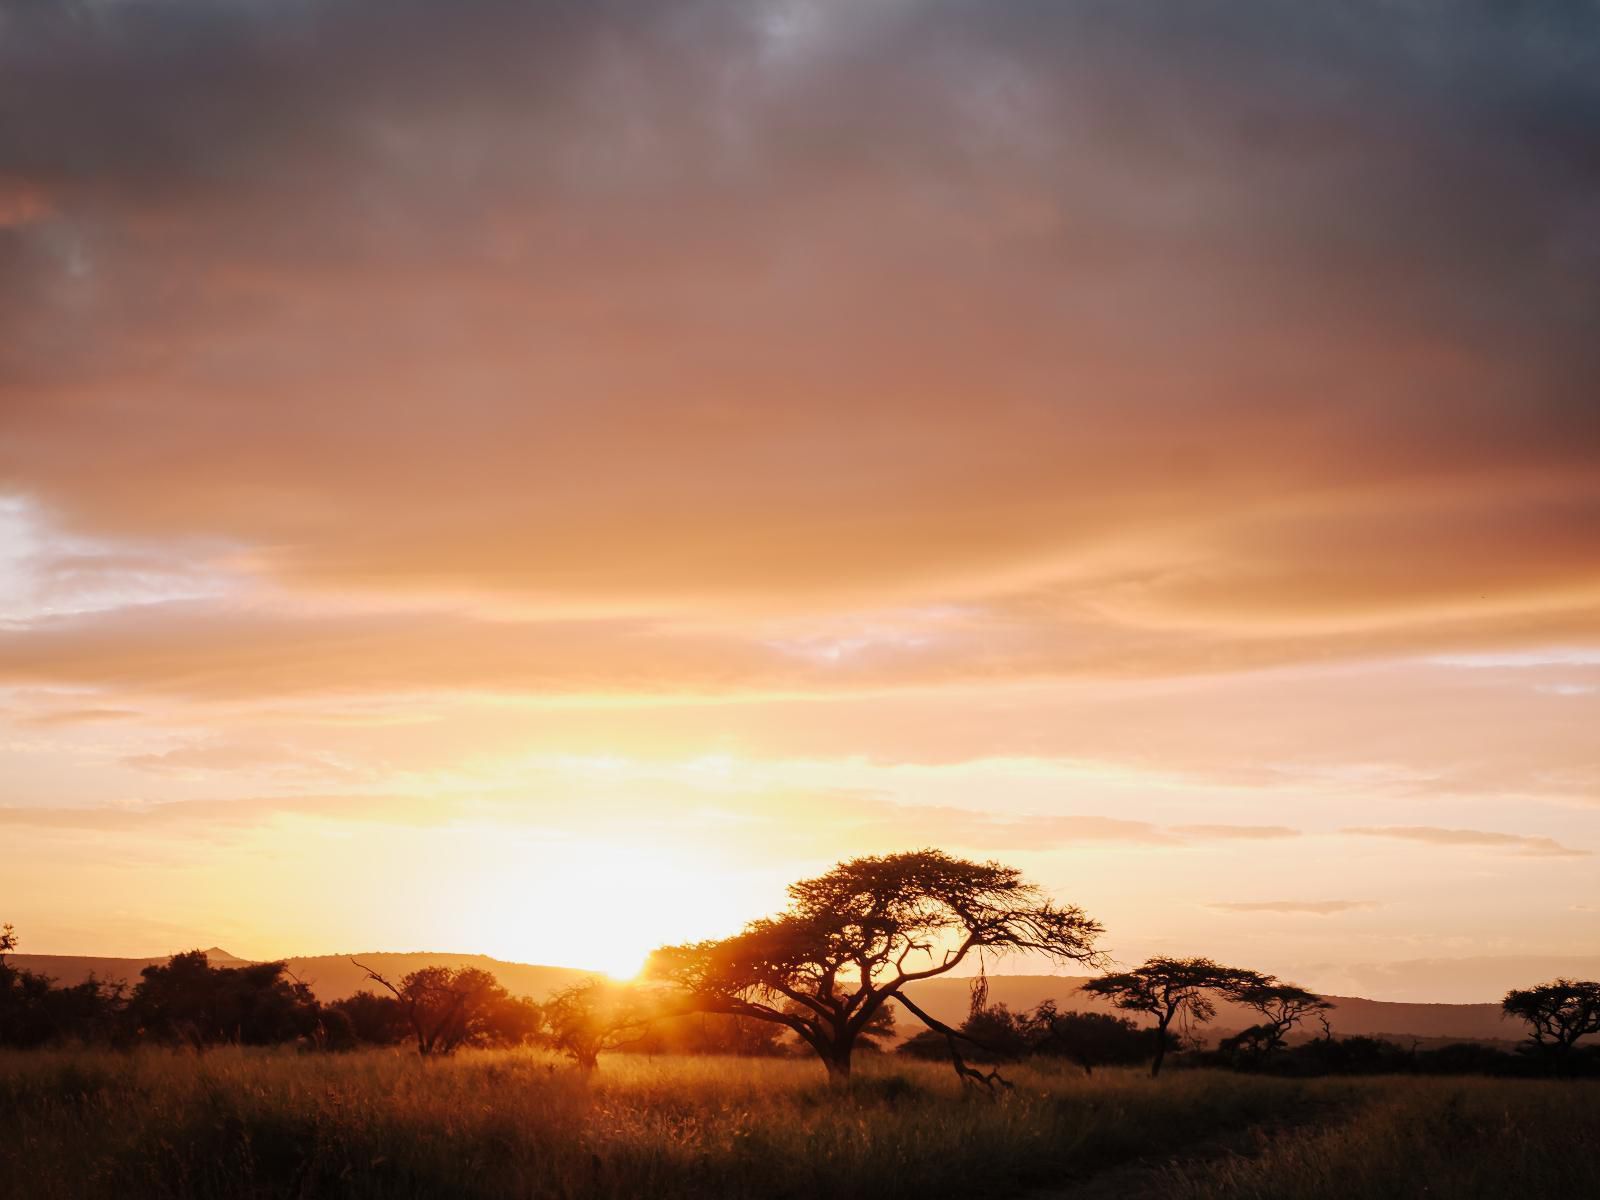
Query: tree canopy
187, 999
1169, 989
853, 938
1560, 1012
1282, 1006
447, 1008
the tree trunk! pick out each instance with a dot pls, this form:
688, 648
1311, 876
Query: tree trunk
837, 1060
1161, 1050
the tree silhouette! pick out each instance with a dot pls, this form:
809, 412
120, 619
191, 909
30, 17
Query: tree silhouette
853, 938
188, 1000
1089, 1039
447, 1008
1281, 1005
1560, 1012
35, 1011
1168, 988
997, 1034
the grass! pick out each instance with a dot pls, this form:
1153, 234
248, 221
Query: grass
1468, 1139
238, 1123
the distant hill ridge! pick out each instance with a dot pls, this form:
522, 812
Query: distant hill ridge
335, 976
330, 976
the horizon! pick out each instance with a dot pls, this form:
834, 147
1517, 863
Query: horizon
465, 467
959, 975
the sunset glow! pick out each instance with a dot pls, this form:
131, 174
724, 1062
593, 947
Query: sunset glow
542, 508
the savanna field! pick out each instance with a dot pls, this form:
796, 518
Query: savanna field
269, 1123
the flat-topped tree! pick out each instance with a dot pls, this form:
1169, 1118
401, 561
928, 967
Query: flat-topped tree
1168, 988
852, 939
1282, 1006
1560, 1012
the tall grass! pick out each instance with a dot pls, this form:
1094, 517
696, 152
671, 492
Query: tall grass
240, 1123
1467, 1139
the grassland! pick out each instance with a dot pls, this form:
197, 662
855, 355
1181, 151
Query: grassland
236, 1123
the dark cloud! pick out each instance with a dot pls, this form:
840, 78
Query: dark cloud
708, 303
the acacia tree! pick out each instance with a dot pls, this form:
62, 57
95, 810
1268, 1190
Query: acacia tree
1560, 1012
852, 939
1281, 1005
1168, 988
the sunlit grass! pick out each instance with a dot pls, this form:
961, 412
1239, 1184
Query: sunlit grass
236, 1123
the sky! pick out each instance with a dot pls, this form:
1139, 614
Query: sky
535, 478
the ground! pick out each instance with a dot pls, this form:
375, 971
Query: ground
240, 1123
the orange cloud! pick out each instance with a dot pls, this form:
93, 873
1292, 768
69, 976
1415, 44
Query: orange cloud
1534, 847
1320, 908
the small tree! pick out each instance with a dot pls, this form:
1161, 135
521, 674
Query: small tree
852, 939
1089, 1039
1168, 988
374, 1020
1281, 1005
447, 1008
592, 1016
1560, 1012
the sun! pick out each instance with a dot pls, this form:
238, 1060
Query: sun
605, 907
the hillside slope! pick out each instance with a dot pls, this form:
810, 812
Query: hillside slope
947, 999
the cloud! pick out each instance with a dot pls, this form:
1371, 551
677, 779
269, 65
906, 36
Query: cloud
219, 649
1237, 832
547, 799
77, 716
1320, 908
234, 815
1120, 318
1475, 979
257, 758
1521, 844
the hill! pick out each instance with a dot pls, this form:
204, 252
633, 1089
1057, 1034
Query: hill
334, 976
948, 999
330, 976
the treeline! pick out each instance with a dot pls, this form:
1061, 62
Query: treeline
996, 1035
191, 1002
